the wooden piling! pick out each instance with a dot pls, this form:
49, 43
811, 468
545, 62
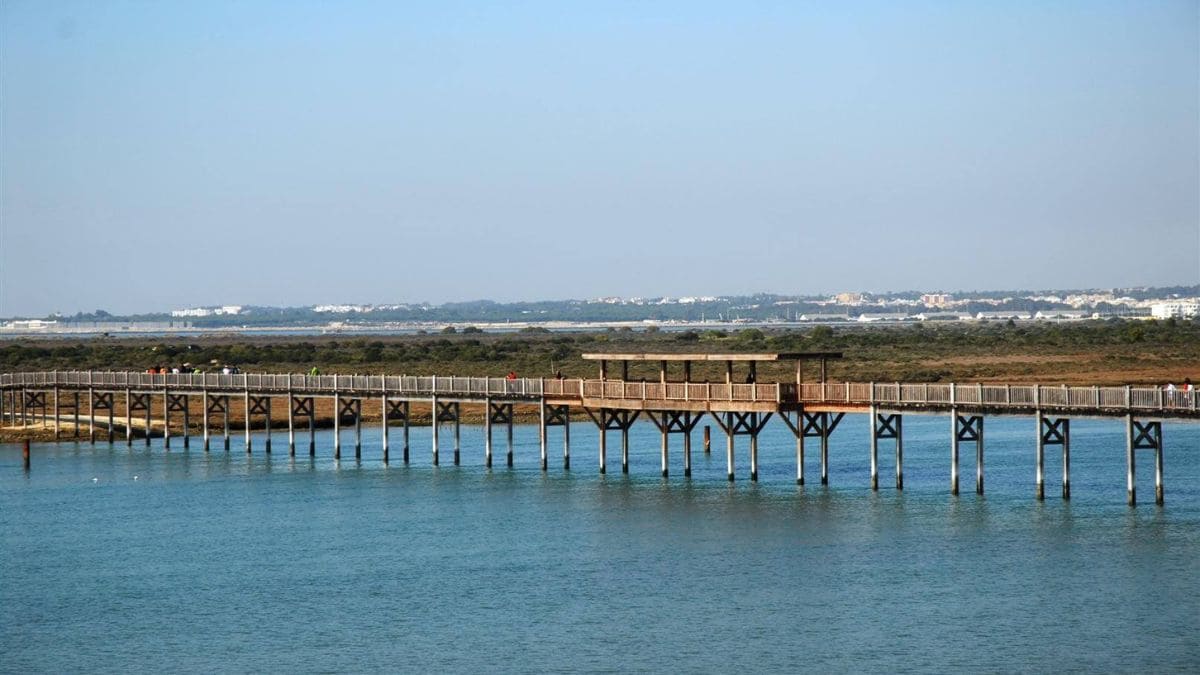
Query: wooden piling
487, 432
204, 412
729, 448
754, 455
603, 450
291, 420
457, 433
246, 402
979, 459
566, 425
824, 448
800, 451
874, 415
687, 454
1130, 486
267, 425
1158, 467
1066, 460
1040, 458
25, 454
663, 449
954, 451
166, 420
433, 428
899, 452
624, 448
358, 429
383, 425
542, 433
337, 426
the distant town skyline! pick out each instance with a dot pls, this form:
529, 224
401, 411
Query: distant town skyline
157, 156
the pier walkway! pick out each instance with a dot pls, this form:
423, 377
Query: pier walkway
810, 410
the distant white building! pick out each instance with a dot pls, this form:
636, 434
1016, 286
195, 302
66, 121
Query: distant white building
1018, 316
873, 317
1061, 314
944, 316
1175, 309
29, 324
936, 299
208, 311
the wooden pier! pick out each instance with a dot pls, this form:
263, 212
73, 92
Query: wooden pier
739, 406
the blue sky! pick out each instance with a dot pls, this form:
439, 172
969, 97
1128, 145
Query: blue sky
160, 155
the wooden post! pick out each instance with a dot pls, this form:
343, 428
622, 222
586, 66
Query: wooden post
405, 408
509, 456
687, 447
800, 448
225, 407
953, 449
1040, 455
1130, 486
663, 451
979, 458
899, 452
1066, 460
487, 432
542, 432
149, 401
57, 428
457, 433
824, 448
358, 428
1158, 465
337, 425
433, 424
187, 422
624, 446
754, 451
312, 429
204, 413
166, 419
91, 416
729, 444
874, 448
603, 441
25, 454
383, 426
267, 426
246, 400
291, 410
566, 438
128, 417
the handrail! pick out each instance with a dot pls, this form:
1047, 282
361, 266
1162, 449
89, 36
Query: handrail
853, 393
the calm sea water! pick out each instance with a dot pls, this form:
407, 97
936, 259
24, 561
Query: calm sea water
117, 559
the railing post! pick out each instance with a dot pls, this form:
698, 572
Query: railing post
1128, 396
952, 394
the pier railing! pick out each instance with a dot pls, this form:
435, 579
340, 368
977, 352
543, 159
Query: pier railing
999, 396
1002, 396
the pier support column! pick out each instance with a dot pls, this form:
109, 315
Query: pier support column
187, 422
1053, 432
246, 407
556, 416
291, 419
406, 431
383, 426
487, 432
729, 447
967, 428
874, 448
395, 410
542, 432
267, 425
57, 422
166, 420
457, 434
614, 420
225, 418
337, 429
954, 451
446, 412
433, 427
1040, 455
128, 417
205, 410
91, 415
1144, 436
500, 413
888, 426
687, 454
603, 450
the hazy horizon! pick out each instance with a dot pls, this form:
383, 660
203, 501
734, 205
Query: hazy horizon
162, 156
